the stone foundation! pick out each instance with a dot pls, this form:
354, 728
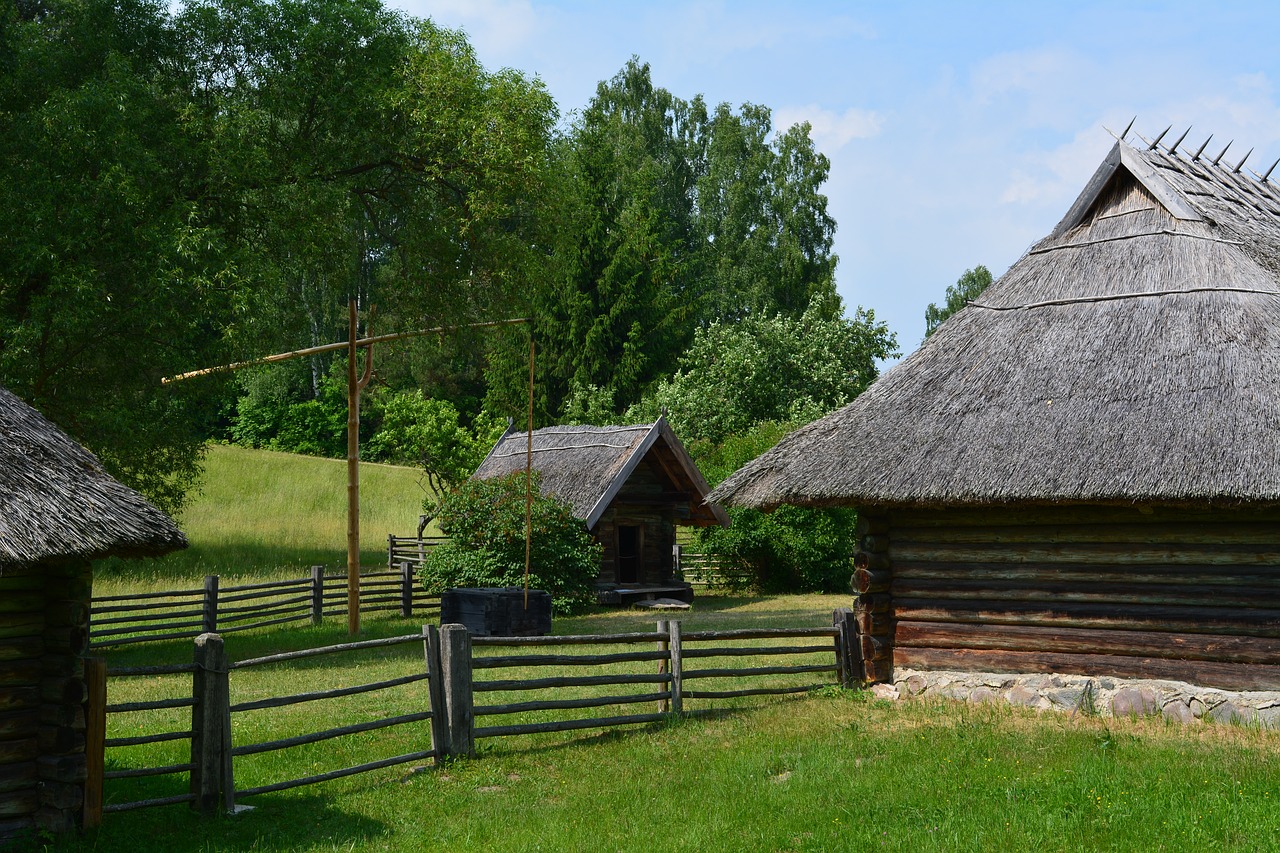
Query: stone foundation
1094, 695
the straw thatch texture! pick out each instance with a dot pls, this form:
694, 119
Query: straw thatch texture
586, 466
576, 463
56, 500
1131, 356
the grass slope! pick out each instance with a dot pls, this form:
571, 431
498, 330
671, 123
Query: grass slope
261, 514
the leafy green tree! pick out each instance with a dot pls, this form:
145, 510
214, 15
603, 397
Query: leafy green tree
111, 277
486, 522
673, 217
770, 368
417, 430
966, 289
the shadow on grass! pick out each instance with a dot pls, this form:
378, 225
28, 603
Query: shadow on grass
276, 822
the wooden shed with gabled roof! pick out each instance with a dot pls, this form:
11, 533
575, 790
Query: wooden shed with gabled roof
1080, 472
58, 511
630, 485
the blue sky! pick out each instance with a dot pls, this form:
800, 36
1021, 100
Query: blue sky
958, 133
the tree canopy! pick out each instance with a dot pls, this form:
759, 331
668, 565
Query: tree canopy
966, 289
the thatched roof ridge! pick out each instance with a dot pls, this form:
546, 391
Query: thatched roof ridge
586, 466
56, 500
1133, 355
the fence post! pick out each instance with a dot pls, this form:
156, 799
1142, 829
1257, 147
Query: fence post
317, 594
406, 590
677, 667
211, 775
210, 616
455, 668
848, 664
391, 550
664, 666
435, 692
95, 738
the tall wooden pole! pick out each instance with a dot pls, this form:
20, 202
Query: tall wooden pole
353, 476
528, 480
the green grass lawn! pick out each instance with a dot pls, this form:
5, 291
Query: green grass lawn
265, 515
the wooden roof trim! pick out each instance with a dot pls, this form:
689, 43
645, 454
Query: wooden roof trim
624, 473
1123, 156
659, 430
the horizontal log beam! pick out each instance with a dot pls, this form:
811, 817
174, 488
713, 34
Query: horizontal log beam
1159, 533
1108, 594
1085, 573
866, 581
1199, 620
1228, 676
1173, 646
1085, 552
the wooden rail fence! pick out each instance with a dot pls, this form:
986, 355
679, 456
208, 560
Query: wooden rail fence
448, 668
411, 549
184, 614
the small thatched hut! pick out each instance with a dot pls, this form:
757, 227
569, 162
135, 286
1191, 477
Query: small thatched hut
58, 511
630, 485
1080, 472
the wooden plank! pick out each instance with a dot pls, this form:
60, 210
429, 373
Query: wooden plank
1173, 645
1092, 553
1228, 676
1130, 534
564, 660
570, 639
1200, 620
338, 774
571, 681
297, 698
569, 725
757, 634
328, 650
677, 667
1267, 577
752, 691
95, 716
330, 734
455, 670
569, 704
747, 672
994, 590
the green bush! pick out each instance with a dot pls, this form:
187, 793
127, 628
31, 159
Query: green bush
791, 549
485, 520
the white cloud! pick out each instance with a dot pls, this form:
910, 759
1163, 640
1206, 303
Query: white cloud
831, 130
494, 27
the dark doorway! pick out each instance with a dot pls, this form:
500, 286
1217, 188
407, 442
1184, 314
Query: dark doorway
628, 553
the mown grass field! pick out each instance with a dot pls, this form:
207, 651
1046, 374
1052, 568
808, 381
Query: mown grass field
263, 515
832, 770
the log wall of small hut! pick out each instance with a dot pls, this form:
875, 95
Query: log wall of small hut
1144, 593
642, 503
44, 631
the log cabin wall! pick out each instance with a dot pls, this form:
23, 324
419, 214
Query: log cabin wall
644, 503
44, 631
1139, 593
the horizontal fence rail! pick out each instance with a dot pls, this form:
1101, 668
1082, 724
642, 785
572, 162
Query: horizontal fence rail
411, 549
185, 614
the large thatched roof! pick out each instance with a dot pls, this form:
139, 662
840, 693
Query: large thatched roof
57, 501
587, 466
1133, 355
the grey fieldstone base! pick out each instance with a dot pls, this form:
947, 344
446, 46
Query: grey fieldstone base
1100, 695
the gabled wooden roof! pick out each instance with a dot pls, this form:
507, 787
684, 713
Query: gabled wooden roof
56, 500
1132, 355
587, 466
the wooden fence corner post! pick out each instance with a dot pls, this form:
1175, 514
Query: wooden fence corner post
212, 782
664, 666
317, 594
95, 738
440, 740
406, 590
210, 616
455, 667
677, 667
848, 663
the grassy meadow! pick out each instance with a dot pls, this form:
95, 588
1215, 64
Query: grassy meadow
264, 515
830, 770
